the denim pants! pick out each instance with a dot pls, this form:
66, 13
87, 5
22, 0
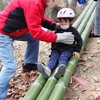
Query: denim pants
8, 59
97, 19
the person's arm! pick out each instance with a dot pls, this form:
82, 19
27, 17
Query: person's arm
79, 42
49, 24
33, 19
78, 45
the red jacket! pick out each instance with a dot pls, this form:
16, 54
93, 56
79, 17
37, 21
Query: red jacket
21, 16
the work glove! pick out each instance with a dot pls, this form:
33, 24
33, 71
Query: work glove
66, 37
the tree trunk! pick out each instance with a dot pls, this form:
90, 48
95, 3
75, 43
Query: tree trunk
72, 4
3, 3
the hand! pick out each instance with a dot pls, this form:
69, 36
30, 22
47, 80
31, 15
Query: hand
66, 37
76, 54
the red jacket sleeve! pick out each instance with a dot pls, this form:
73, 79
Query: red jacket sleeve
34, 16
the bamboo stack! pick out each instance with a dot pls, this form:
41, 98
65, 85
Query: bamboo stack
53, 89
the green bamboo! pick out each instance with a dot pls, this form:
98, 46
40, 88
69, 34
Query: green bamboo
35, 93
63, 82
86, 18
48, 88
35, 88
87, 30
82, 15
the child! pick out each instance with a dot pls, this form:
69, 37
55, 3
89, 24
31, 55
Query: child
61, 53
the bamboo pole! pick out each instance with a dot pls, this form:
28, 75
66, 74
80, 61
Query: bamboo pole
82, 15
37, 86
48, 88
86, 18
63, 82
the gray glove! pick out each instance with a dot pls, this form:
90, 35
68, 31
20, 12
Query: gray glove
66, 37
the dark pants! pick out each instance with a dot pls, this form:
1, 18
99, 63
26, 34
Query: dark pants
58, 59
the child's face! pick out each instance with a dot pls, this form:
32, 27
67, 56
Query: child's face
63, 21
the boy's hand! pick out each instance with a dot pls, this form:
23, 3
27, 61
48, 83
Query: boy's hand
76, 54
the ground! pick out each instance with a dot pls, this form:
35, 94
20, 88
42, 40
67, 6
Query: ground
87, 68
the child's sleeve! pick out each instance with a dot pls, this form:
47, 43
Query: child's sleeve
79, 41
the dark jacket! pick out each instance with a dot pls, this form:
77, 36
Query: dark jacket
76, 46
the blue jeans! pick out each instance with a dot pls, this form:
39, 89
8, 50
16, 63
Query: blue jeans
97, 19
8, 59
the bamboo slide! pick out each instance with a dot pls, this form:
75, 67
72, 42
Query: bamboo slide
53, 89
62, 83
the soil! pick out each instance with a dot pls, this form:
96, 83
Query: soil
87, 68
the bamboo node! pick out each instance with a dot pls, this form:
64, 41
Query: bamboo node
37, 83
67, 70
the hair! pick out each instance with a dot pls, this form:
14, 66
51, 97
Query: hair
70, 19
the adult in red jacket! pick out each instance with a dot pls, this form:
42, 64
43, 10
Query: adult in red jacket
22, 20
